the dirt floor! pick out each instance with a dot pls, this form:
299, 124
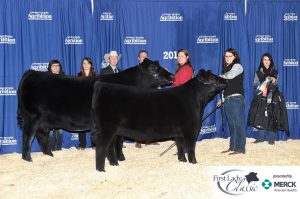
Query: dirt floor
71, 173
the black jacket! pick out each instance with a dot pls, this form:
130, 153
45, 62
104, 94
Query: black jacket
108, 70
269, 116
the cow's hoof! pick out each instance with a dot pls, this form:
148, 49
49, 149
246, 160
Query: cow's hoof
28, 159
121, 157
193, 162
49, 153
114, 163
100, 169
182, 159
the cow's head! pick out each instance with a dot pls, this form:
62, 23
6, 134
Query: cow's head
162, 76
214, 82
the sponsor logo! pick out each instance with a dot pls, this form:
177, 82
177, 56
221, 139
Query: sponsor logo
208, 129
290, 17
135, 40
7, 91
39, 66
263, 39
284, 183
213, 39
266, 184
171, 17
39, 16
291, 105
74, 136
73, 40
237, 182
230, 16
290, 62
106, 16
7, 39
8, 141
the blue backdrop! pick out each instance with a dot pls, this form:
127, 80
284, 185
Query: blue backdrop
32, 32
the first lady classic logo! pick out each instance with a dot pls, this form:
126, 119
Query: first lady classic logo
237, 182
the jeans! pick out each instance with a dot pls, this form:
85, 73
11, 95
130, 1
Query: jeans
234, 108
55, 138
260, 135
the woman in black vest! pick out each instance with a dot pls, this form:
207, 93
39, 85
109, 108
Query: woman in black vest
234, 101
266, 71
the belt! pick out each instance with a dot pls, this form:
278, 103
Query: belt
232, 95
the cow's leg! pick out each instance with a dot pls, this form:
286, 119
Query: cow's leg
29, 130
111, 154
102, 144
119, 148
42, 136
190, 143
180, 149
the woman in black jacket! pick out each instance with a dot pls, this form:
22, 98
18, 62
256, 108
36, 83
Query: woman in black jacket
263, 107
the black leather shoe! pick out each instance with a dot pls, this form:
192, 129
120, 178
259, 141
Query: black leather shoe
226, 151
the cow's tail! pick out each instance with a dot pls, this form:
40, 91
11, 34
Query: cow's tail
20, 117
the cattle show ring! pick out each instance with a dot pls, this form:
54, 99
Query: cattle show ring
168, 99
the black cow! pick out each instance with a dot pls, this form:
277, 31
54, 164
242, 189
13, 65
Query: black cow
47, 101
152, 114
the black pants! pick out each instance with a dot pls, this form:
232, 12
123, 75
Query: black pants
82, 140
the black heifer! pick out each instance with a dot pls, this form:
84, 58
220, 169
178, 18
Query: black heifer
48, 101
152, 114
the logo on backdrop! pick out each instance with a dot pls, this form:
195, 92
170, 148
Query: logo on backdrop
171, 17
290, 17
237, 182
7, 39
73, 40
290, 62
230, 16
203, 39
292, 105
7, 91
8, 141
263, 39
39, 16
106, 16
135, 40
208, 129
74, 136
39, 66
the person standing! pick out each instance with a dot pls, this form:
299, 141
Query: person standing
55, 135
112, 58
265, 102
86, 70
234, 101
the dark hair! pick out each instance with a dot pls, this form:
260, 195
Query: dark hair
142, 51
186, 52
92, 71
272, 66
55, 61
235, 53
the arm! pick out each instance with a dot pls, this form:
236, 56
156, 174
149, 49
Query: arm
235, 71
256, 81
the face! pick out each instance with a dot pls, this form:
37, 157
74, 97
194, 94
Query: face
266, 62
142, 56
182, 58
86, 65
113, 60
229, 57
55, 68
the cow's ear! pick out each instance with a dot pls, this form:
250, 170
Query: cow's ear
201, 74
156, 62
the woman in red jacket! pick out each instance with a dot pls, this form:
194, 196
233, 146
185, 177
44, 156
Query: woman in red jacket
184, 69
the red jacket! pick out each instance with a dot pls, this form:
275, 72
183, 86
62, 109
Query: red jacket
184, 74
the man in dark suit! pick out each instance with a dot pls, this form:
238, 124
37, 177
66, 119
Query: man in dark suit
112, 58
